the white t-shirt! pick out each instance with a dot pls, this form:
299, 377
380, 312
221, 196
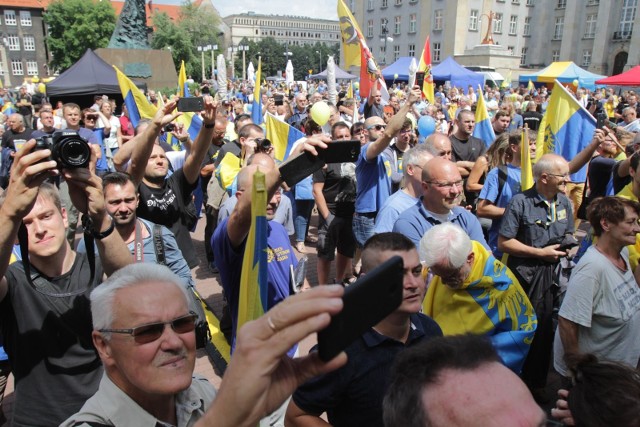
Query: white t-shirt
112, 140
605, 303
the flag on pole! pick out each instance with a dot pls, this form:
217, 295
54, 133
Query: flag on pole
253, 276
526, 170
256, 109
507, 81
182, 82
531, 87
351, 36
483, 129
566, 128
425, 65
282, 136
137, 104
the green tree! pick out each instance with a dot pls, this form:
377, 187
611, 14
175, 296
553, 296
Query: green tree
75, 26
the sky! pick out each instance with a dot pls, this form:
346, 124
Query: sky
322, 9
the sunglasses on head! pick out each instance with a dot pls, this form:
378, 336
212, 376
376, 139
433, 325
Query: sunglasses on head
145, 334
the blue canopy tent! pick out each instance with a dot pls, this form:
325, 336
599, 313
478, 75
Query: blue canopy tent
450, 70
564, 72
400, 67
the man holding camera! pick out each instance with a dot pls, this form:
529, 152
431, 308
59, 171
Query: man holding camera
45, 316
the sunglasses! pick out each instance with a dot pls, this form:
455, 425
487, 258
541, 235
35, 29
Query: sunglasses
377, 127
145, 334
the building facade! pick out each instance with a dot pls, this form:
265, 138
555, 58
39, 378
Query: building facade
595, 34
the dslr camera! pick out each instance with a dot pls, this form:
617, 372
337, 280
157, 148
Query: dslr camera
68, 149
263, 145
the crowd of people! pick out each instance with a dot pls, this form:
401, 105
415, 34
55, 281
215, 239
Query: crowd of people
101, 329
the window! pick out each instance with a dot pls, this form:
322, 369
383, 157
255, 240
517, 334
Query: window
593, 2
16, 67
370, 5
412, 23
383, 26
626, 18
398, 2
29, 42
590, 26
412, 50
529, 2
25, 18
526, 31
559, 28
473, 20
497, 23
586, 58
396, 53
523, 56
562, 4
397, 24
513, 25
555, 56
384, 4
515, 1
10, 18
436, 52
437, 20
32, 68
13, 42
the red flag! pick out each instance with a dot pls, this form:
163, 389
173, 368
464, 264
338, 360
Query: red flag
425, 65
368, 71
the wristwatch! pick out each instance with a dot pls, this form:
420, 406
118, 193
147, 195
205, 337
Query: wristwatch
87, 224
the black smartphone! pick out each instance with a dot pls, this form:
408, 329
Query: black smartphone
366, 302
340, 151
278, 99
191, 104
420, 78
601, 120
298, 167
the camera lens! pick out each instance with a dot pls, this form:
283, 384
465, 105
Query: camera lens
74, 153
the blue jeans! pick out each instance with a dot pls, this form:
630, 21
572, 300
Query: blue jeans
363, 228
301, 220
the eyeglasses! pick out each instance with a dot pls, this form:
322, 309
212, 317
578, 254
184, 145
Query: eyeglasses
145, 334
449, 185
376, 127
565, 176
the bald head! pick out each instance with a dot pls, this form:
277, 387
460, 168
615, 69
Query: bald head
439, 145
436, 168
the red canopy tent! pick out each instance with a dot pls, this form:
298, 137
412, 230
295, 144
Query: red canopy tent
628, 78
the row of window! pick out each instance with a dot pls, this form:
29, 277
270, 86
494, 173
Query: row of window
18, 70
385, 3
28, 41
285, 24
11, 19
280, 33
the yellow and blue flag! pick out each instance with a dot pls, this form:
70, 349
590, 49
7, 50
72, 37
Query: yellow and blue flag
566, 128
526, 170
531, 87
137, 104
182, 82
8, 109
483, 129
256, 109
253, 277
282, 136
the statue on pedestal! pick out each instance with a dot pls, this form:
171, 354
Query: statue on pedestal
488, 38
131, 30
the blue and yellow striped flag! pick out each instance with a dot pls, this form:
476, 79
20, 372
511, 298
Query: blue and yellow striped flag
256, 109
526, 170
566, 128
253, 278
282, 136
483, 129
137, 104
182, 82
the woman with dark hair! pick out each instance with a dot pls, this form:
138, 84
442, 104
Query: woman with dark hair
600, 313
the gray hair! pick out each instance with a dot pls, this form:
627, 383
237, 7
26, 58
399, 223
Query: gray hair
545, 164
446, 244
419, 153
103, 296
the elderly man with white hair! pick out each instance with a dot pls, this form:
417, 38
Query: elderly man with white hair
472, 292
144, 335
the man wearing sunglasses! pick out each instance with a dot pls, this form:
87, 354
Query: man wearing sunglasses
144, 334
441, 194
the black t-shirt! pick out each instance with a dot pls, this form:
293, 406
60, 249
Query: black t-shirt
331, 177
9, 136
532, 119
48, 340
25, 111
600, 169
339, 188
468, 150
168, 206
373, 110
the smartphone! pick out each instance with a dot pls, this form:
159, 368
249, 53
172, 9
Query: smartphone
191, 104
340, 151
420, 78
298, 167
366, 302
601, 120
278, 99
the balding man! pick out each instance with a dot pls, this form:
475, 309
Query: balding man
298, 112
534, 224
441, 194
17, 132
439, 145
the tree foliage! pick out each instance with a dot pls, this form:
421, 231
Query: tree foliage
75, 26
196, 26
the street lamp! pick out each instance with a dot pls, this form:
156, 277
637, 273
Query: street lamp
385, 38
320, 61
202, 50
244, 64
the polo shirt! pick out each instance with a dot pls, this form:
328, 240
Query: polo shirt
374, 182
391, 210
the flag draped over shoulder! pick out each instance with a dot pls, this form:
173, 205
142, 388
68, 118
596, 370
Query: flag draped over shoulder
137, 104
253, 278
526, 170
182, 82
282, 136
483, 129
425, 65
256, 109
566, 128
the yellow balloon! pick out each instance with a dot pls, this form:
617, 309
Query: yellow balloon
320, 113
576, 83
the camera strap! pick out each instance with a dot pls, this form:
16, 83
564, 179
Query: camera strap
40, 283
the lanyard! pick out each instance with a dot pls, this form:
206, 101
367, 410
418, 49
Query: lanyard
138, 246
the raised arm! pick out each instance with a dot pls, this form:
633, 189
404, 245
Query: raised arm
200, 146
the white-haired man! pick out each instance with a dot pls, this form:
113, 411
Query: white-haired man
144, 334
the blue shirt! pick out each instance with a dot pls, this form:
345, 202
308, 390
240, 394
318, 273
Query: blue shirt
490, 192
416, 221
374, 182
391, 210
